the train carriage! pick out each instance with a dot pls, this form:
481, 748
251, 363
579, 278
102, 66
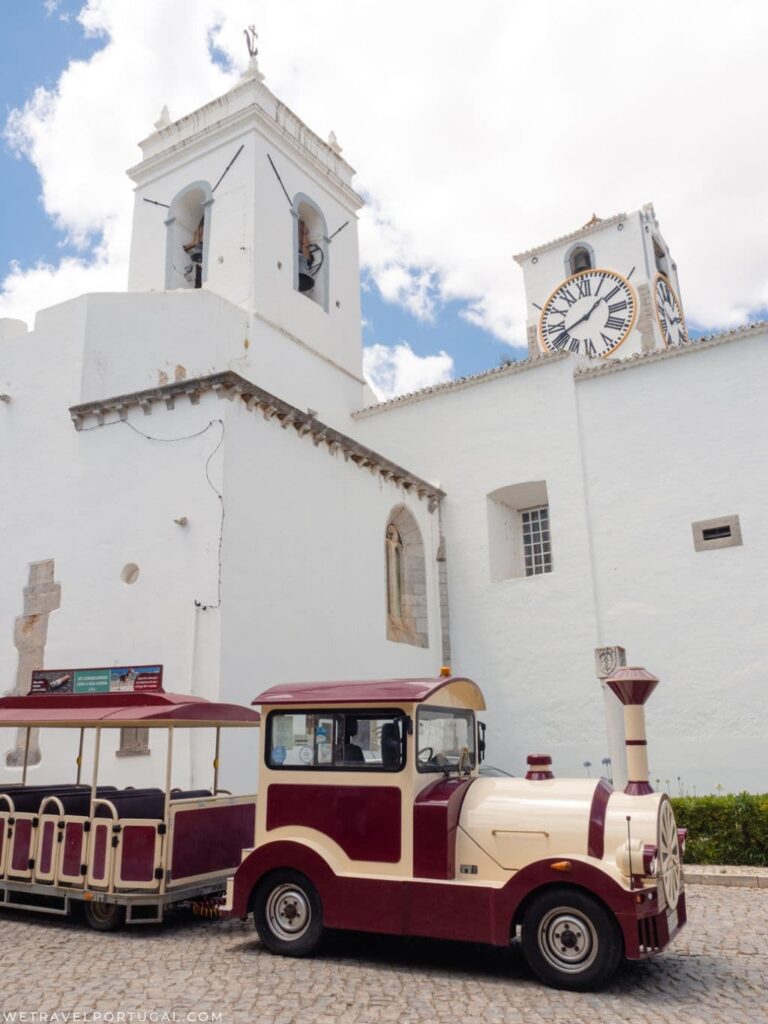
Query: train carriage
124, 853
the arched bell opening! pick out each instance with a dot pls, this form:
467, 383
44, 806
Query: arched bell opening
188, 226
660, 258
310, 236
580, 257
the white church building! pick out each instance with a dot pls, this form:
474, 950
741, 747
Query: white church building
197, 476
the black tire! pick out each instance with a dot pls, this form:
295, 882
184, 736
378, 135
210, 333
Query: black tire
288, 913
104, 917
571, 940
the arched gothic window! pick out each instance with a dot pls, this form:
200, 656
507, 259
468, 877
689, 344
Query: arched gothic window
580, 259
406, 580
188, 233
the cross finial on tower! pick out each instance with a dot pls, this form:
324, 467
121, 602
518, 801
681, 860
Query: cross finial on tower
251, 36
252, 71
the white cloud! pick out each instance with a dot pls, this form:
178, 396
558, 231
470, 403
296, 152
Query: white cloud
476, 135
397, 370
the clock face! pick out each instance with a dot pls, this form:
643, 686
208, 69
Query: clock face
591, 312
668, 312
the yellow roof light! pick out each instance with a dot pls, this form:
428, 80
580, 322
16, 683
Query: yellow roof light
445, 672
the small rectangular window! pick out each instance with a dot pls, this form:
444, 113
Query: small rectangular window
716, 532
723, 532
537, 549
359, 740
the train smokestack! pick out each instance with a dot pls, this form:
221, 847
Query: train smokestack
633, 686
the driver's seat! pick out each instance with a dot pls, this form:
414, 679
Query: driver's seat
391, 747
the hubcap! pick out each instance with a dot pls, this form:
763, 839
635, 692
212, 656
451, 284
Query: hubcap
103, 911
567, 939
288, 912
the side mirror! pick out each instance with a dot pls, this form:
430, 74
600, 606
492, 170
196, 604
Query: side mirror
481, 741
407, 725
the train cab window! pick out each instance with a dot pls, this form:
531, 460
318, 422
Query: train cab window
359, 740
445, 739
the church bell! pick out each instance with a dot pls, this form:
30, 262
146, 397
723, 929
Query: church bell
306, 281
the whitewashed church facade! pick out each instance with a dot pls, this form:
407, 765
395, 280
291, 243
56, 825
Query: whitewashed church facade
196, 475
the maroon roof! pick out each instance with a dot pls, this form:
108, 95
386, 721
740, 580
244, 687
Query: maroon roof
363, 691
149, 708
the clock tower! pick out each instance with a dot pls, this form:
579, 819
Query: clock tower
608, 290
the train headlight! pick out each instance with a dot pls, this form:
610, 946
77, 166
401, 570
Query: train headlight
650, 860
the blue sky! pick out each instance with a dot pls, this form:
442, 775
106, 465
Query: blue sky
37, 47
459, 177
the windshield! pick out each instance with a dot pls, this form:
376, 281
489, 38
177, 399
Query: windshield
442, 735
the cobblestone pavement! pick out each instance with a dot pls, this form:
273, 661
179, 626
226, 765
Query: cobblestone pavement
716, 972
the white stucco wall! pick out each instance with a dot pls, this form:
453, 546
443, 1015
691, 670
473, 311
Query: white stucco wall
527, 642
303, 571
94, 501
630, 458
668, 443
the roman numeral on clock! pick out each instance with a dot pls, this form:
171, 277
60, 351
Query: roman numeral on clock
584, 286
561, 341
569, 298
614, 323
589, 347
616, 307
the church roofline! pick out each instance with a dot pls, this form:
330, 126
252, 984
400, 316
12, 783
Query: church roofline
589, 228
687, 348
463, 382
584, 367
232, 386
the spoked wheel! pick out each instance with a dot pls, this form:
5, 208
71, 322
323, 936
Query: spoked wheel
288, 913
570, 940
670, 861
104, 917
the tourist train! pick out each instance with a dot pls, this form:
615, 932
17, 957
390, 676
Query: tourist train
373, 813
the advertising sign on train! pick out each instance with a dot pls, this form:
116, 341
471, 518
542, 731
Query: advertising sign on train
123, 679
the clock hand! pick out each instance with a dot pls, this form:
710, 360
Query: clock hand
586, 316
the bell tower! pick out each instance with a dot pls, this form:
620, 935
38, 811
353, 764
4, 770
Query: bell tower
608, 290
240, 198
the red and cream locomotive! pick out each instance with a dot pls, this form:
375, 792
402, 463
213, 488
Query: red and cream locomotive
373, 816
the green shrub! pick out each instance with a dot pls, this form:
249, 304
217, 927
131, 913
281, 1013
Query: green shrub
730, 829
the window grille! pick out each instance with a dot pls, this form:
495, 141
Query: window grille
537, 548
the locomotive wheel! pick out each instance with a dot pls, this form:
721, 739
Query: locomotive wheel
670, 858
104, 917
288, 913
570, 940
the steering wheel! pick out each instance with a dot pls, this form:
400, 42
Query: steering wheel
425, 750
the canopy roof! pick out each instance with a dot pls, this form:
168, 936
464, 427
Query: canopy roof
145, 709
365, 691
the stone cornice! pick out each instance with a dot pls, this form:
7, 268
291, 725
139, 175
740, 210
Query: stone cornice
688, 348
232, 386
587, 229
285, 128
463, 382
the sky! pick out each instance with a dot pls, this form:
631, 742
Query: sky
477, 131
